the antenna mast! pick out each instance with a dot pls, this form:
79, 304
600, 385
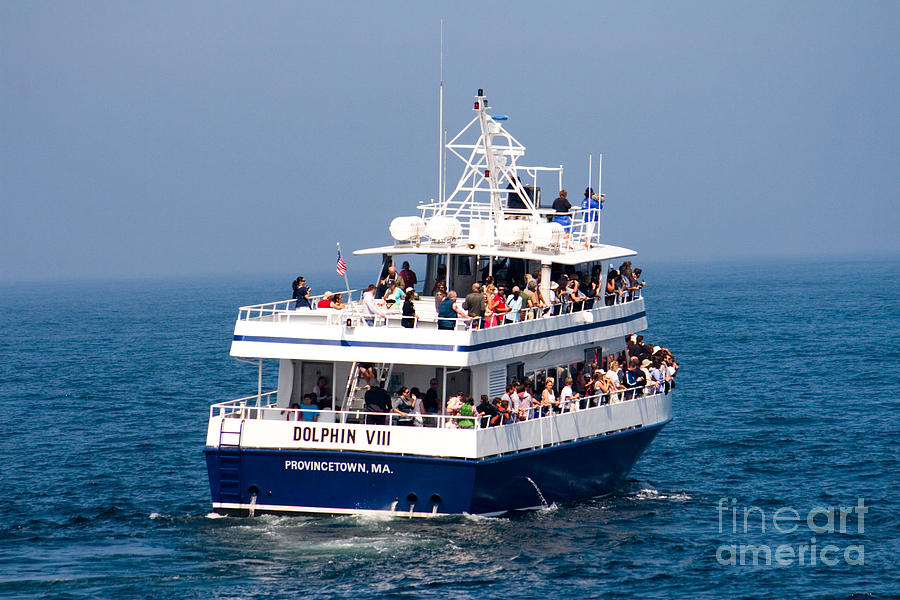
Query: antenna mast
441, 122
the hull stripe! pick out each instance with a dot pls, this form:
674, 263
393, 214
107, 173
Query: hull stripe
324, 510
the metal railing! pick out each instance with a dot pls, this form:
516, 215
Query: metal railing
263, 407
580, 233
281, 312
283, 309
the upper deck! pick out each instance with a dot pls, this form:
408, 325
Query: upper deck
274, 330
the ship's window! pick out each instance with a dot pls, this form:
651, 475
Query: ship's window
463, 266
515, 371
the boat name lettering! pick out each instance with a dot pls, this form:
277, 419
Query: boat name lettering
331, 435
339, 435
332, 466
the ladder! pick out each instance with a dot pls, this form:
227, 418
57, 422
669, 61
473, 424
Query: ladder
229, 459
354, 395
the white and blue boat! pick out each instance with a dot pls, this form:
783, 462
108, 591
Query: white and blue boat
265, 457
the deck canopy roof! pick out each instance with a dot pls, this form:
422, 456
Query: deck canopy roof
600, 252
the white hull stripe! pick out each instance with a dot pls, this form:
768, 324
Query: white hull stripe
438, 347
324, 510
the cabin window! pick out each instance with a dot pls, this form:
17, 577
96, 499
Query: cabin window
463, 266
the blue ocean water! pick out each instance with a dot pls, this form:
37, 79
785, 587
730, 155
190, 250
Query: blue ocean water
787, 399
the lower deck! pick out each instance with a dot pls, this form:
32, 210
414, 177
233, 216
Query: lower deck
248, 481
258, 465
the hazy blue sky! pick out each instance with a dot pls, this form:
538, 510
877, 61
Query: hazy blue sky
156, 138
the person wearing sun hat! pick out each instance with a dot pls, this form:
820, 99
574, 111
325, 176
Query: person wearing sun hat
325, 302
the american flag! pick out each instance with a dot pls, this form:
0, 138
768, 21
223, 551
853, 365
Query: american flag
341, 265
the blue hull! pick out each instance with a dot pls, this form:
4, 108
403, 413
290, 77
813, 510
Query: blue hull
319, 481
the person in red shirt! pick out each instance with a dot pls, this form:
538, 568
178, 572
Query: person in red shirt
325, 302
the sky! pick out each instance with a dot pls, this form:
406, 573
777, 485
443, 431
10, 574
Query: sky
148, 139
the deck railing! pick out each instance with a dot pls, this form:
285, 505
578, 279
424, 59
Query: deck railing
581, 232
282, 311
263, 407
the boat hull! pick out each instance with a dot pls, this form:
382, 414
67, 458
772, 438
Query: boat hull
279, 481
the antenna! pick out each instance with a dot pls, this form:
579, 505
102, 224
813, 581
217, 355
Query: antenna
440, 193
590, 157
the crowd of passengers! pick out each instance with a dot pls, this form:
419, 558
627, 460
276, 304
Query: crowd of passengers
489, 303
643, 369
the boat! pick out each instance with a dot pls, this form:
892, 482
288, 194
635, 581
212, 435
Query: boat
274, 452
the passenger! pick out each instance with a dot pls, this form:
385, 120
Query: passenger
370, 306
439, 296
323, 398
590, 213
418, 406
301, 294
599, 386
526, 408
431, 403
531, 297
514, 303
474, 305
449, 312
366, 374
406, 407
377, 400
389, 278
658, 379
555, 306
496, 307
575, 298
467, 410
593, 290
441, 279
408, 276
632, 347
568, 399
454, 403
337, 302
409, 310
580, 379
613, 289
635, 380
548, 398
511, 397
487, 411
563, 295
309, 408
326, 301
648, 378
562, 207
393, 295
506, 416
293, 414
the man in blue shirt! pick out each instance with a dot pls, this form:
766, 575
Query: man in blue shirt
590, 207
449, 311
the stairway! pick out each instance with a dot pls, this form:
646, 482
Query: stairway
354, 396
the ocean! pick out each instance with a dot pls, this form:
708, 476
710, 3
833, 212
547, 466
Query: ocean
786, 413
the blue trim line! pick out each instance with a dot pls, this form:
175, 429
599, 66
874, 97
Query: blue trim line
440, 347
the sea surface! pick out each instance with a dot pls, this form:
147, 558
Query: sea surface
787, 403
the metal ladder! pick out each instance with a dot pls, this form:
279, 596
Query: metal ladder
229, 457
354, 397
